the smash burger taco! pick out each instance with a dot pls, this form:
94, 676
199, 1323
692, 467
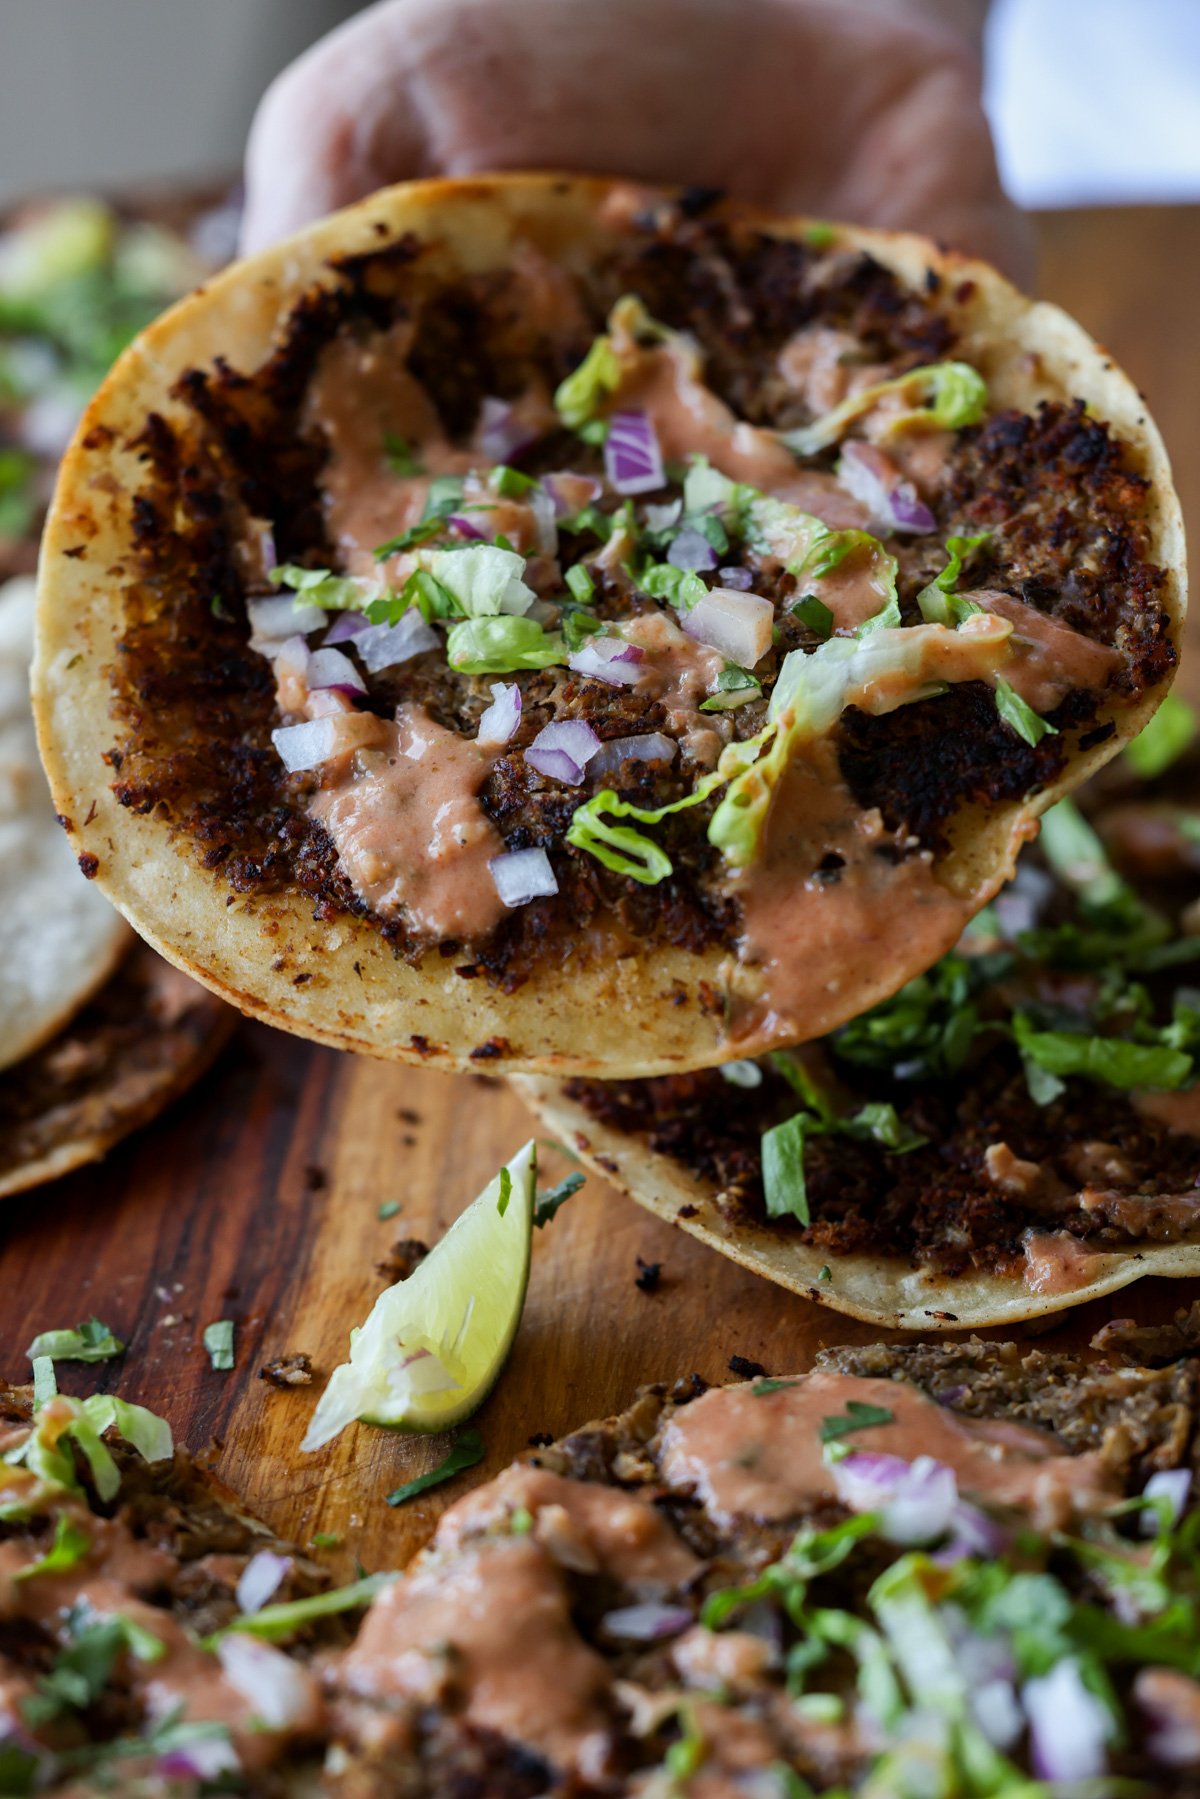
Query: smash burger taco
591, 629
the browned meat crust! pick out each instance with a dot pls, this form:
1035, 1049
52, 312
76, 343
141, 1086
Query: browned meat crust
934, 1205
195, 705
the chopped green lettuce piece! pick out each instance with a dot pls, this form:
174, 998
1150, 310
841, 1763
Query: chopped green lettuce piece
319, 587
467, 1450
498, 646
580, 584
510, 483
400, 456
1111, 1060
620, 847
1078, 857
71, 1543
274, 1623
1020, 716
580, 396
91, 1341
681, 587
45, 1384
218, 1340
483, 581
942, 395
940, 602
1162, 741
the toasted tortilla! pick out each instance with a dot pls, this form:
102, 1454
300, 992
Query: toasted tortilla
338, 980
883, 1291
59, 937
140, 1042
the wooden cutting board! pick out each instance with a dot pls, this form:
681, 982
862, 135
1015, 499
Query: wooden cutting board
257, 1198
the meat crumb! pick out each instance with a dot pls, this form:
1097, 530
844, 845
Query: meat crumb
292, 1370
541, 1439
315, 1178
405, 1255
648, 1276
745, 1367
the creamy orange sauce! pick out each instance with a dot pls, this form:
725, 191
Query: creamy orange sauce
1057, 1262
410, 832
108, 1583
760, 1455
1178, 1110
680, 673
361, 391
824, 366
501, 1608
613, 1531
809, 933
1048, 658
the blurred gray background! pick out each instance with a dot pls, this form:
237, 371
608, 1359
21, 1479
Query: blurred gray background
1091, 100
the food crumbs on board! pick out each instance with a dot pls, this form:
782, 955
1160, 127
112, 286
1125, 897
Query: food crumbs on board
218, 1340
746, 1367
291, 1370
648, 1276
389, 1208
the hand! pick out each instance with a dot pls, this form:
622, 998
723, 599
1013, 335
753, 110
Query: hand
866, 111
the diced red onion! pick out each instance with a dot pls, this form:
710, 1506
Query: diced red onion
661, 518
331, 668
739, 625
608, 659
465, 527
277, 617
691, 550
205, 1759
1171, 1484
280, 1691
1068, 1725
918, 1499
645, 746
346, 626
318, 740
738, 580
501, 433
570, 493
260, 1578
995, 1709
563, 750
632, 459
544, 518
893, 503
291, 660
648, 1623
384, 646
523, 875
498, 724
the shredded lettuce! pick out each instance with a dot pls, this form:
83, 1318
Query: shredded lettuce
274, 1623
71, 1543
940, 602
218, 1340
620, 847
482, 580
1078, 857
498, 646
581, 395
681, 587
942, 395
784, 1185
1020, 716
91, 1341
320, 587
45, 1385
1162, 741
1110, 1060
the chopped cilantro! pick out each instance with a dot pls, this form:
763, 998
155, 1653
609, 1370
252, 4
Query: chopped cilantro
856, 1416
580, 583
81, 1670
466, 1452
826, 1273
578, 625
588, 519
1110, 1060
91, 1341
400, 456
769, 1385
784, 1185
444, 497
324, 1539
218, 1340
408, 540
549, 1199
389, 1208
505, 1193
815, 614
735, 686
276, 1622
510, 483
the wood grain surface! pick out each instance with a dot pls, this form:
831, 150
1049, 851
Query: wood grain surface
257, 1198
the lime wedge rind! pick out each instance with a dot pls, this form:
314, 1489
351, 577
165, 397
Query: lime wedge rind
433, 1345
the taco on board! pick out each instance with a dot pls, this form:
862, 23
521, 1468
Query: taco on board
591, 630
1014, 1132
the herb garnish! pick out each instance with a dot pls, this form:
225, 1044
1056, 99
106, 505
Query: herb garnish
91, 1341
466, 1452
857, 1416
549, 1199
784, 1186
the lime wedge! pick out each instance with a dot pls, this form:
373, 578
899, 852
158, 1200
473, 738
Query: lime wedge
433, 1345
